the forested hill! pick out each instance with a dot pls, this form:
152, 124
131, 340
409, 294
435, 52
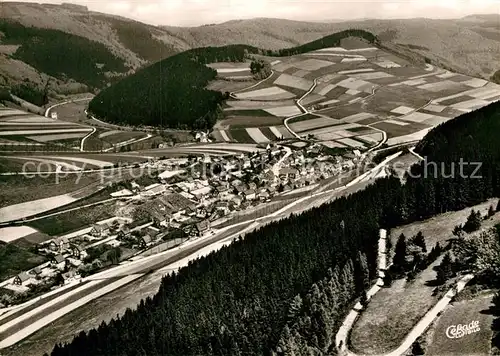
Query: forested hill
285, 288
325, 42
171, 93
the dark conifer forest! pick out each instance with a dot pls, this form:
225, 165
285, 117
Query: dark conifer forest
285, 288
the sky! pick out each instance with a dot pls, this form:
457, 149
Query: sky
199, 12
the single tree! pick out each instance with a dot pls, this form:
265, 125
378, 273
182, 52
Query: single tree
419, 240
473, 222
363, 299
399, 260
445, 269
498, 205
495, 308
458, 230
491, 211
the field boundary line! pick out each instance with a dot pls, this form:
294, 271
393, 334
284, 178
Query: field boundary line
412, 151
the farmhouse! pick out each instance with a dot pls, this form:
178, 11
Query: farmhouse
78, 252
37, 271
22, 278
152, 231
264, 195
146, 240
99, 230
59, 244
58, 262
202, 227
121, 193
249, 194
288, 173
154, 189
201, 193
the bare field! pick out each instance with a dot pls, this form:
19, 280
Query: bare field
394, 130
249, 121
228, 85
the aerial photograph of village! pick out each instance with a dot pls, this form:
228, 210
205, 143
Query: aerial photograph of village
218, 178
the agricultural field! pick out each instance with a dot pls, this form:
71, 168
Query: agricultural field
16, 259
20, 188
232, 71
114, 137
36, 130
387, 97
72, 221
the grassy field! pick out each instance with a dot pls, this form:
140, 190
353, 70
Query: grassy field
392, 313
250, 121
9, 165
240, 135
439, 228
74, 220
249, 112
20, 189
16, 259
465, 312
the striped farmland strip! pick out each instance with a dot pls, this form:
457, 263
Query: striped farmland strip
224, 135
276, 132
36, 132
257, 135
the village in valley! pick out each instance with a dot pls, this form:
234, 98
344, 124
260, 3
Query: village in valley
190, 198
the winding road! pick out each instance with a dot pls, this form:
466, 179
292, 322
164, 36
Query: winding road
341, 338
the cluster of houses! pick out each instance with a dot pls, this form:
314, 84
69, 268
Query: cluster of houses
192, 203
68, 255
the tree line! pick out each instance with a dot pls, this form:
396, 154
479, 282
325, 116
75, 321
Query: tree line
332, 40
288, 285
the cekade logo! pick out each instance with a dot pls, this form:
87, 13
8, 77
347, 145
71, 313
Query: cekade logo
460, 330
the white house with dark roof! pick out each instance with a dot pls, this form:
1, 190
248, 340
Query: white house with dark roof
22, 279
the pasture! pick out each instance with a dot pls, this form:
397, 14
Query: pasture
392, 313
249, 121
464, 312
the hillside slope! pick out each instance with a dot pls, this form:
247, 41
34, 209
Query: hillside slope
470, 45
